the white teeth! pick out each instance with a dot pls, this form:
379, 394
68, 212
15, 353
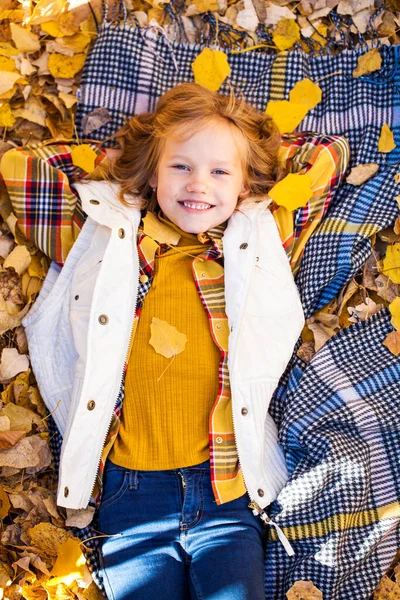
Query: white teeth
196, 205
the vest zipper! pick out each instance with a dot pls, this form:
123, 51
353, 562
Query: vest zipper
122, 378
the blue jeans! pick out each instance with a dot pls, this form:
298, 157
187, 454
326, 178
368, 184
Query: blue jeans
171, 541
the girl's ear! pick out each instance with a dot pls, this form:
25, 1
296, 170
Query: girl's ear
245, 191
153, 181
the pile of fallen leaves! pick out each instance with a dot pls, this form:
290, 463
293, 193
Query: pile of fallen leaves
43, 46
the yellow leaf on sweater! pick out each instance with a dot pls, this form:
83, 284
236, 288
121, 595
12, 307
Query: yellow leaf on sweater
84, 156
286, 33
158, 231
386, 139
69, 565
25, 40
391, 263
306, 92
287, 115
394, 308
211, 68
292, 192
166, 339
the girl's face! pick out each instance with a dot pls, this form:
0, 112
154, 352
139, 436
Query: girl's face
199, 178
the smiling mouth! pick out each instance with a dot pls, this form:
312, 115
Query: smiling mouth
196, 205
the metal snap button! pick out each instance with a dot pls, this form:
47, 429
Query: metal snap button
77, 297
203, 274
94, 202
121, 233
219, 440
244, 411
91, 404
243, 246
103, 319
218, 327
143, 279
260, 492
66, 492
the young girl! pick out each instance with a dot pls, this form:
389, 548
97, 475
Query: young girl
193, 455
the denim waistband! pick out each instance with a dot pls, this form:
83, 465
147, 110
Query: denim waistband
204, 466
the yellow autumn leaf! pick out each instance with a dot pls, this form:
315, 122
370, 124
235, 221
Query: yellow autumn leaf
391, 263
14, 14
47, 10
7, 64
386, 139
7, 50
158, 231
6, 117
286, 33
19, 259
84, 156
292, 191
68, 99
8, 80
166, 339
392, 342
69, 565
25, 40
75, 43
65, 67
368, 63
52, 28
211, 68
394, 308
4, 504
306, 92
286, 115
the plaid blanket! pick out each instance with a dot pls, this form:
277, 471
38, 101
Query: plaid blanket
338, 416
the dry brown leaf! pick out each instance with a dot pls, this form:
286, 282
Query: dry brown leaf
304, 590
306, 351
80, 517
95, 119
24, 40
47, 538
12, 363
386, 288
4, 508
321, 333
387, 590
392, 342
363, 311
31, 453
10, 438
247, 18
21, 418
19, 259
362, 173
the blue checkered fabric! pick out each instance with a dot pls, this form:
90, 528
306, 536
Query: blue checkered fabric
339, 415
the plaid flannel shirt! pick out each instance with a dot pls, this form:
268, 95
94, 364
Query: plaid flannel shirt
49, 213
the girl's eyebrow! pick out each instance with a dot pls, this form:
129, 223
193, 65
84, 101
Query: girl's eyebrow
222, 163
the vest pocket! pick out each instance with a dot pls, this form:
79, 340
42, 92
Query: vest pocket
273, 291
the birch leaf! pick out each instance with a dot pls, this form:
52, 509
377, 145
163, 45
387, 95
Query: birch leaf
68, 99
19, 259
12, 363
69, 565
368, 63
211, 68
304, 590
386, 139
65, 67
361, 173
7, 119
25, 40
287, 115
391, 263
166, 339
158, 231
394, 308
306, 92
286, 34
292, 192
7, 81
4, 504
84, 156
392, 342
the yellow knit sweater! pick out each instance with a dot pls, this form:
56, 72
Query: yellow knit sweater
165, 420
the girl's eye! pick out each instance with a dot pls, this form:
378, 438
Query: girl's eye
220, 172
180, 167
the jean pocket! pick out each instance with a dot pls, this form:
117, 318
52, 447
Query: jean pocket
115, 484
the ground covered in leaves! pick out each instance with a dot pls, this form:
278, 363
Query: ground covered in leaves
43, 46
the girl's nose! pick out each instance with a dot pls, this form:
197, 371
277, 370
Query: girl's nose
197, 186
